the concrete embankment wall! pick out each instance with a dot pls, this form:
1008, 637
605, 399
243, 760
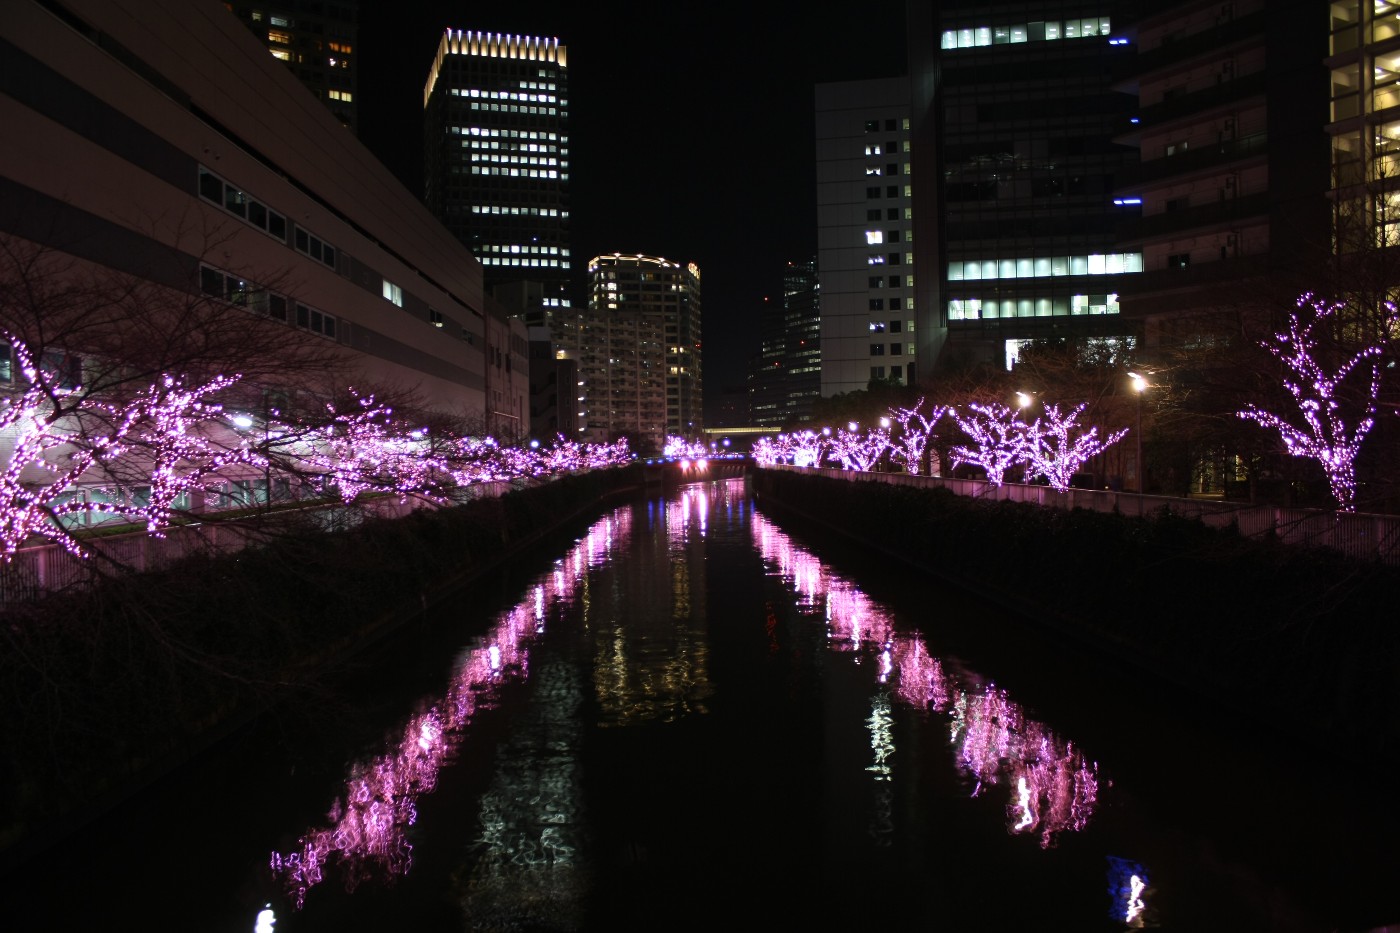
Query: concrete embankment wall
1299, 637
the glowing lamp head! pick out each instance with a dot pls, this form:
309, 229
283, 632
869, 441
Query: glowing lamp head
242, 421
1139, 383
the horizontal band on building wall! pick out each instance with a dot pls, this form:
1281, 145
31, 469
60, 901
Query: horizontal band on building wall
60, 226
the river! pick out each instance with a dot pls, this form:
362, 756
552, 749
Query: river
687, 717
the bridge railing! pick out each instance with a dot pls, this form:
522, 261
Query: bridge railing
1362, 535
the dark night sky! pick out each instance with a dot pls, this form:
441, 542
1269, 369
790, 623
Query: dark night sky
691, 129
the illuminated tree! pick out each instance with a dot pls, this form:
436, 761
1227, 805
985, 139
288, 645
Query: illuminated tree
1056, 448
1326, 436
998, 440
859, 450
916, 430
809, 448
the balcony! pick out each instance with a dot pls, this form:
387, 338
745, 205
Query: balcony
1202, 159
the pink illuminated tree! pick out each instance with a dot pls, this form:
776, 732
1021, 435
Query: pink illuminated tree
859, 450
360, 449
809, 448
1056, 447
1330, 435
998, 438
916, 430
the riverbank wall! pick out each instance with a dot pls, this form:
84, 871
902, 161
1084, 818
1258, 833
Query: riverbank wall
106, 689
1248, 629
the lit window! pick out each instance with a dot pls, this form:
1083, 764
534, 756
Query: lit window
874, 236
281, 38
393, 293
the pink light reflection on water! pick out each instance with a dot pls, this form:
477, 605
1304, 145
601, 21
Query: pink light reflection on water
1052, 788
366, 835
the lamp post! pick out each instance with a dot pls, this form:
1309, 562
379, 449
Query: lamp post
1139, 386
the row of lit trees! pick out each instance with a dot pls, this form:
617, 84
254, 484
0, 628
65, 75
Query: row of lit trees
159, 455
1326, 421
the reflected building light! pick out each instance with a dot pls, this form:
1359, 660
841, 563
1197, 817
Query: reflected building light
367, 836
1128, 884
994, 743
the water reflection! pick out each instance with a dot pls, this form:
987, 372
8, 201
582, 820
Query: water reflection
366, 835
644, 627
1050, 787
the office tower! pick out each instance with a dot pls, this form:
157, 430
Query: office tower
316, 40
496, 159
641, 363
1233, 171
154, 171
1364, 71
864, 209
1016, 120
785, 380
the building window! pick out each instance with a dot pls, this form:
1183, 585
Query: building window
877, 327
872, 192
877, 372
892, 191
896, 326
877, 304
315, 321
212, 188
877, 349
873, 214
314, 247
877, 281
1178, 260
435, 317
874, 237
896, 304
894, 259
393, 293
872, 126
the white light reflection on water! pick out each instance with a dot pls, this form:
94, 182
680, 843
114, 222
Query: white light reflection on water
366, 835
996, 745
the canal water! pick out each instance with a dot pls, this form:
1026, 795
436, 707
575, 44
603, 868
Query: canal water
688, 717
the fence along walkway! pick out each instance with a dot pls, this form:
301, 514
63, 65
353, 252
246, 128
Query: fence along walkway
47, 568
1360, 535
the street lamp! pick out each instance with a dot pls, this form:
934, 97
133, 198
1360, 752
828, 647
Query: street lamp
1139, 386
1024, 400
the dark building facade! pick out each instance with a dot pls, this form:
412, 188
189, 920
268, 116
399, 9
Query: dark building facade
1015, 129
785, 380
316, 40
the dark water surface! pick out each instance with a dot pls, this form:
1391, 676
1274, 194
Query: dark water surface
689, 718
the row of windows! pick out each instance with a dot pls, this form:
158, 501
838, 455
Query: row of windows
876, 237
880, 259
213, 188
889, 148
495, 132
516, 172
239, 291
895, 372
515, 210
528, 97
895, 326
896, 349
507, 159
878, 304
534, 149
515, 108
890, 213
516, 249
534, 263
1028, 32
973, 309
1044, 267
873, 126
891, 191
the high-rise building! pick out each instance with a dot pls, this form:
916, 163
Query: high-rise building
1016, 122
316, 40
496, 163
1233, 170
641, 364
785, 380
864, 250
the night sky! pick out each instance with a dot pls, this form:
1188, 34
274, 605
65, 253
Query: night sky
691, 130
